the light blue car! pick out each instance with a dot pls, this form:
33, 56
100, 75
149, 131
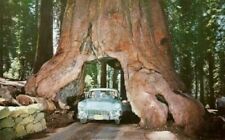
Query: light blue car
100, 104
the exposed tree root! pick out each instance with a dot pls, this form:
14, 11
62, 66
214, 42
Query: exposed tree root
158, 101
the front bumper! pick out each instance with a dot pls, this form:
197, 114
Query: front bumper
99, 115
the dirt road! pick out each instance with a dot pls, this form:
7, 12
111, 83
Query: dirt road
97, 131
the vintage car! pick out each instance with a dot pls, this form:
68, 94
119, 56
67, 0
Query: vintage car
100, 104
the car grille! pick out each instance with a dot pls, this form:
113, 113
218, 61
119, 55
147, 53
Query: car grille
97, 112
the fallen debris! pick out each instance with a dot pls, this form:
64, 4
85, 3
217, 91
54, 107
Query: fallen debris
7, 82
6, 97
25, 99
9, 90
12, 94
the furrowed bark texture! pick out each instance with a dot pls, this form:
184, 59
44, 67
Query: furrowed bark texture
135, 33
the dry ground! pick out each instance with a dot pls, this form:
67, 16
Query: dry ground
62, 126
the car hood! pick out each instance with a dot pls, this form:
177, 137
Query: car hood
100, 104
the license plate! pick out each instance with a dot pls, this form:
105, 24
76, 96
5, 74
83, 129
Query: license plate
98, 117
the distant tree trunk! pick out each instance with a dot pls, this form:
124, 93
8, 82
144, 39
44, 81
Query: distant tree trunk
1, 62
95, 75
186, 70
1, 43
45, 44
63, 7
202, 84
35, 37
22, 69
200, 56
135, 33
114, 78
37, 4
196, 83
122, 86
211, 63
222, 72
1, 37
103, 81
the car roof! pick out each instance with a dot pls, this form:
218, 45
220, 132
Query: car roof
104, 89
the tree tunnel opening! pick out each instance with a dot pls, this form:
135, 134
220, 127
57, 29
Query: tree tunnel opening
99, 73
108, 73
104, 73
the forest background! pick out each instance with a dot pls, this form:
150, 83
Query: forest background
30, 32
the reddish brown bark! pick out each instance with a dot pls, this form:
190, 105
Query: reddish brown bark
133, 32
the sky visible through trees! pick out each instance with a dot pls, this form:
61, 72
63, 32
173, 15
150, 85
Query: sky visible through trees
197, 29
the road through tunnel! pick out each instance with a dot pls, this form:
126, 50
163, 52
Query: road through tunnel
105, 72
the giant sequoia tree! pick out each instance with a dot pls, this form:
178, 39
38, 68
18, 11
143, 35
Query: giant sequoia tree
135, 33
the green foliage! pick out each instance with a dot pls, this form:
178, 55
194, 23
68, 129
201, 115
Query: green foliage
18, 35
92, 72
19, 21
198, 30
91, 75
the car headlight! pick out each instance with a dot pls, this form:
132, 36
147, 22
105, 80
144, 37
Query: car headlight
117, 109
82, 114
80, 105
81, 111
81, 108
119, 112
116, 113
118, 106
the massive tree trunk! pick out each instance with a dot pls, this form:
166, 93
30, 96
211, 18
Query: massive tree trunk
133, 32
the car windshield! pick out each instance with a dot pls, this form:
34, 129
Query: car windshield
103, 94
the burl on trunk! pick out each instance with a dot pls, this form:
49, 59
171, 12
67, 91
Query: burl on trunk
135, 33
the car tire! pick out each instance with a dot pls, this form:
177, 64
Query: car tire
83, 121
117, 121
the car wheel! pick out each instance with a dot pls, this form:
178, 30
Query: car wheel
83, 121
117, 121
